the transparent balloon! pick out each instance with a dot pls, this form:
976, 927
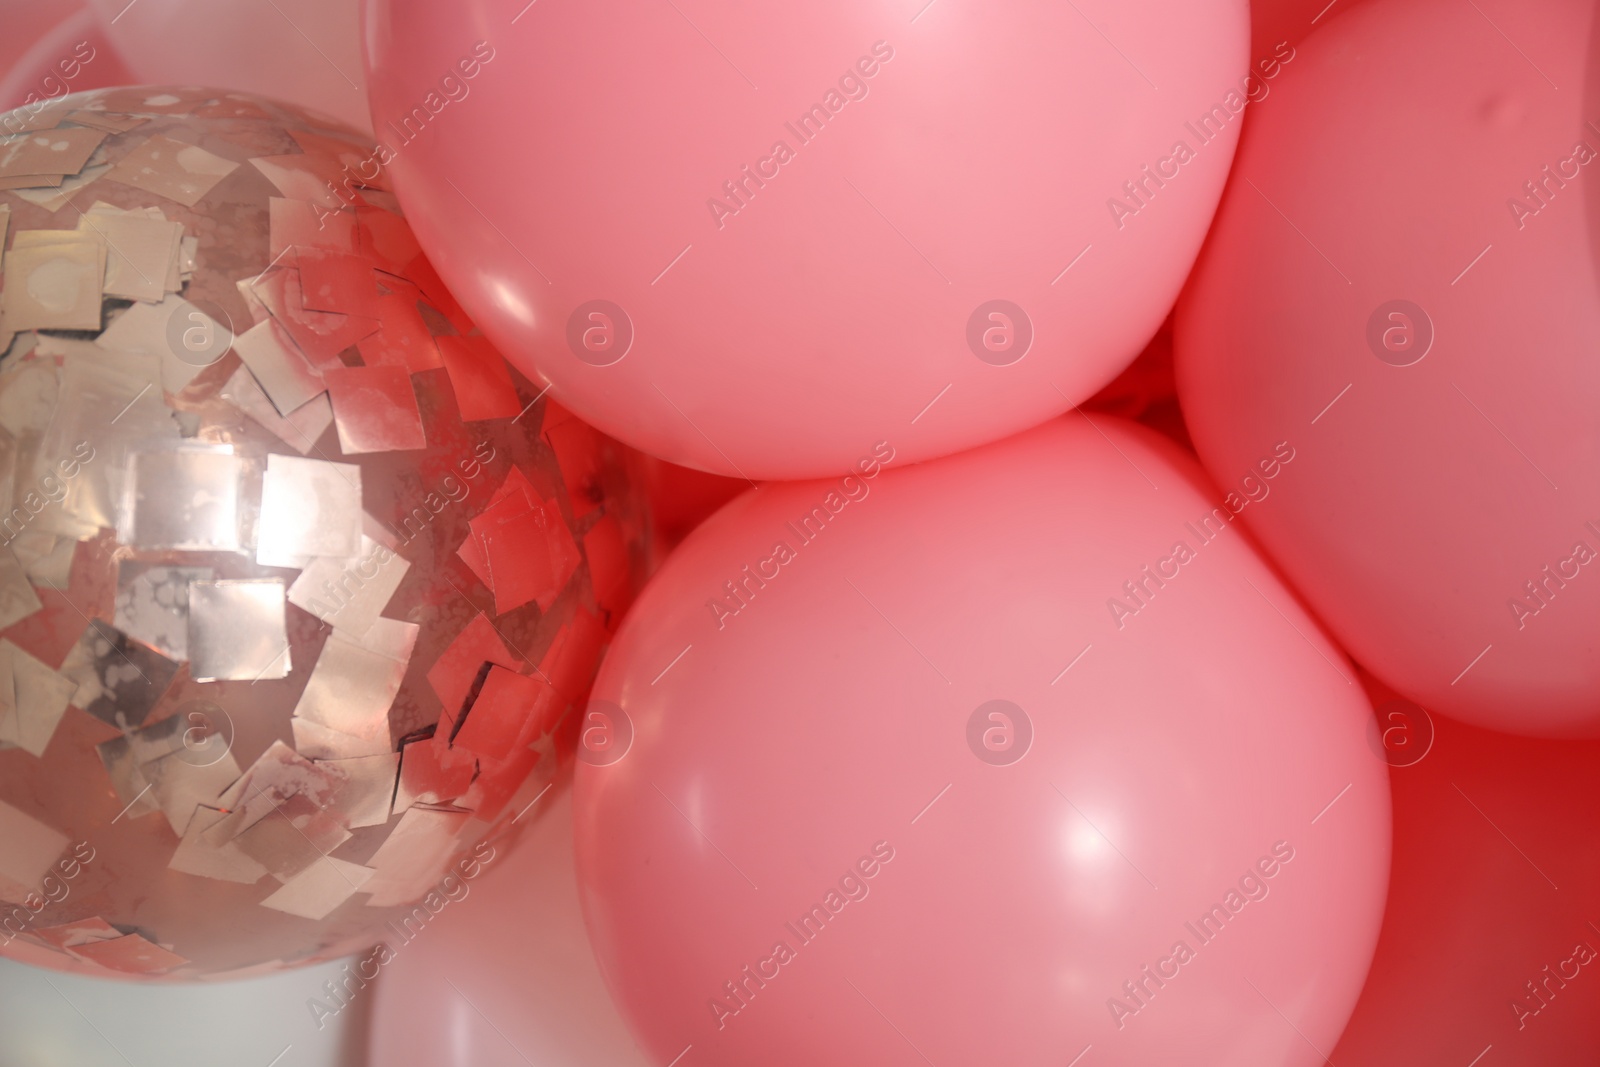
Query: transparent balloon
300, 582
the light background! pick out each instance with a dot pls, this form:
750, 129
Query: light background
49, 1019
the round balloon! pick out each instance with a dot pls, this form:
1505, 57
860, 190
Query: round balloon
510, 976
1027, 735
1401, 283
298, 577
306, 52
1494, 867
754, 240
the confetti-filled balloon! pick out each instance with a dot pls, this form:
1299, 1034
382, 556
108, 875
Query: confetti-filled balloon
754, 239
990, 760
1401, 283
298, 577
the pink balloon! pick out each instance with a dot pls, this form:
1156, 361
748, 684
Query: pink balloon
305, 52
504, 975
922, 797
955, 221
1272, 21
681, 498
1402, 283
72, 57
1495, 872
28, 20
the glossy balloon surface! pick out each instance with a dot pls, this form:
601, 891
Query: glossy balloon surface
896, 766
1402, 282
756, 239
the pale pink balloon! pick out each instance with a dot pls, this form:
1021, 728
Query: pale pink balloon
956, 220
985, 877
505, 975
1402, 283
306, 52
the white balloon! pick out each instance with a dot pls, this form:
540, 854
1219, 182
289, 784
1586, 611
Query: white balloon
505, 976
47, 1017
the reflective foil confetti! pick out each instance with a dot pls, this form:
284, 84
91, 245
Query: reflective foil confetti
296, 602
117, 679
237, 630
